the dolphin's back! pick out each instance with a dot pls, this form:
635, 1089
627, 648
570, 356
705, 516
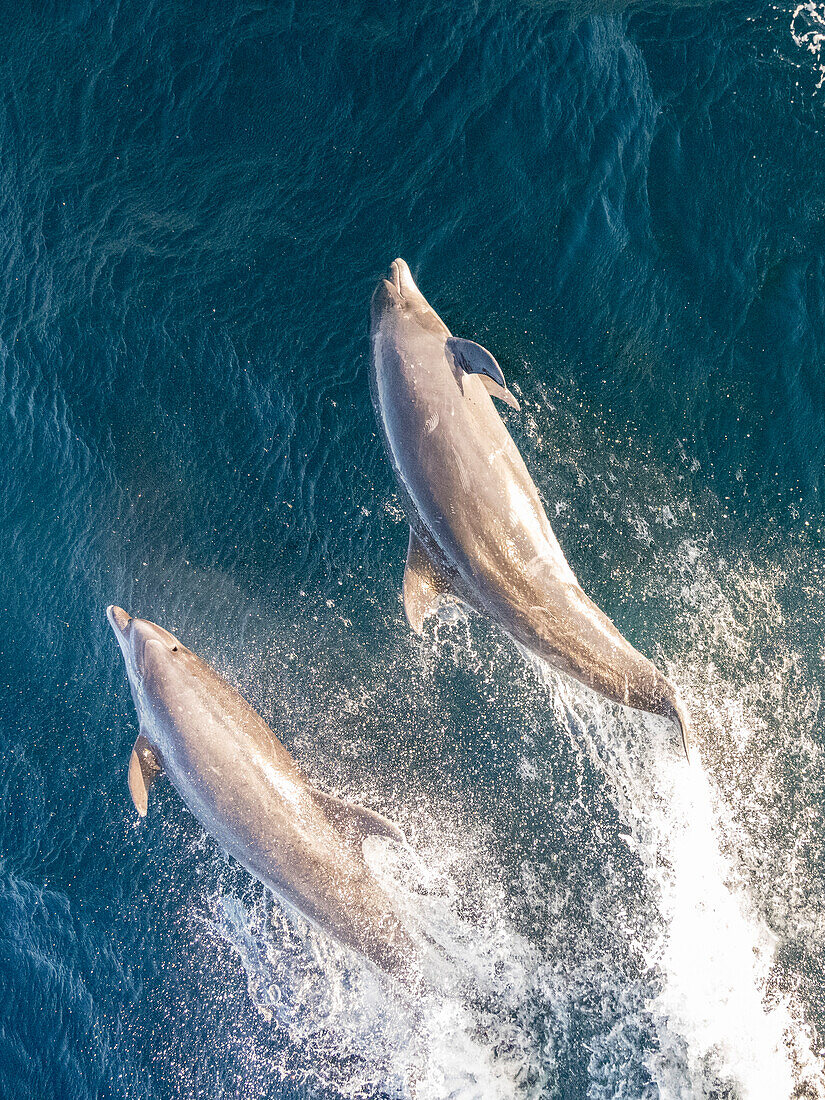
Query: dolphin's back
246, 790
475, 507
465, 476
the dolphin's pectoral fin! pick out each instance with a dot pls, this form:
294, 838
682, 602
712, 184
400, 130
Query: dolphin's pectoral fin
356, 822
425, 583
143, 771
501, 392
474, 359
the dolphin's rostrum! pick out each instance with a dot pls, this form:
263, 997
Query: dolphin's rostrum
478, 531
246, 791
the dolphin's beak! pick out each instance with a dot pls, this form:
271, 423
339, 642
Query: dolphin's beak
395, 274
392, 293
118, 619
401, 278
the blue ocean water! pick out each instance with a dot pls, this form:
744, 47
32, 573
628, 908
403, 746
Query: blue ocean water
624, 202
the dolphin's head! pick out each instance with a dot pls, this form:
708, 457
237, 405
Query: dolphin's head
145, 646
397, 300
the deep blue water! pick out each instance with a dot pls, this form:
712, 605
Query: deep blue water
625, 203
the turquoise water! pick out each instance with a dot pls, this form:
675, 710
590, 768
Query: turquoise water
624, 203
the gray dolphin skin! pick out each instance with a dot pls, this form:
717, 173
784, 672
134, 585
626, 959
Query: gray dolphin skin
247, 792
478, 531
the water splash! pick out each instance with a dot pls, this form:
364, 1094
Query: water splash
719, 1027
463, 1036
648, 959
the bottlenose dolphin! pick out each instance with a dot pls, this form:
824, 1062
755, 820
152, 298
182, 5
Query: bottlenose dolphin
478, 530
246, 791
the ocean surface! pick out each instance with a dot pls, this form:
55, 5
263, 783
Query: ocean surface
626, 203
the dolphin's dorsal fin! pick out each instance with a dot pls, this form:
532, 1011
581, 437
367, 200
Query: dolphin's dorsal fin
143, 771
474, 359
425, 583
356, 822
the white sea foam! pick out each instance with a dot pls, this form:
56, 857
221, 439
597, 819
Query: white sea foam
717, 1019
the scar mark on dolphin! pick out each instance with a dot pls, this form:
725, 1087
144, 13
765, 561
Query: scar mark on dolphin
462, 473
431, 423
538, 563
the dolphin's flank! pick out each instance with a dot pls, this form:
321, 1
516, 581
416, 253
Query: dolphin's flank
247, 791
478, 530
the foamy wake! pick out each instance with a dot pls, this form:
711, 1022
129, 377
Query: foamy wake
720, 1026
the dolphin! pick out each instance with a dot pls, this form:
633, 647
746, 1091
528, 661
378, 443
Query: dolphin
478, 530
247, 792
